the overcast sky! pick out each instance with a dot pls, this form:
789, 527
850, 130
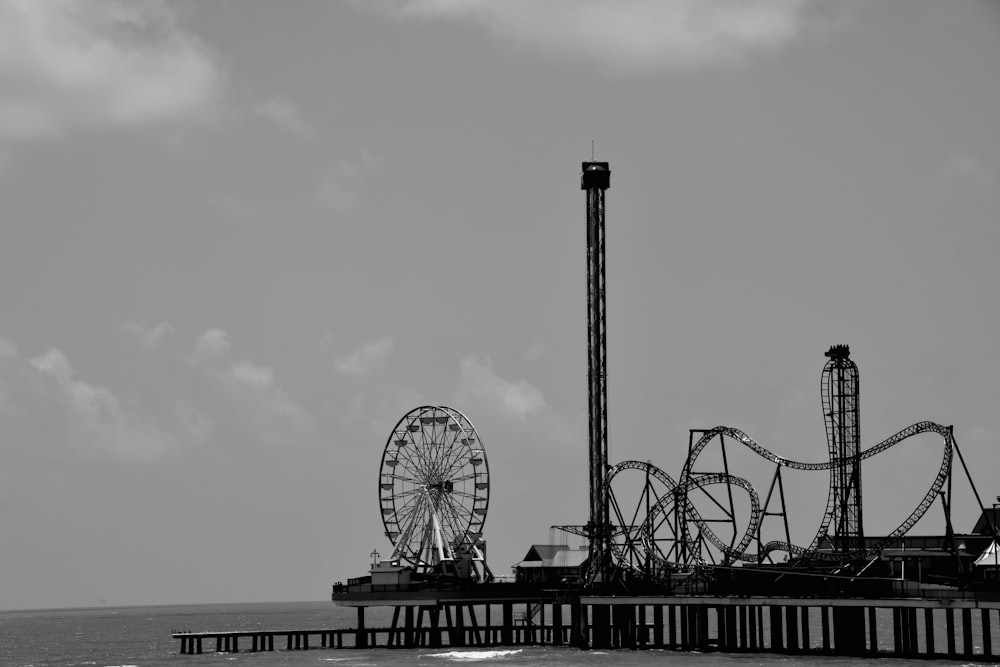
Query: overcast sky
242, 238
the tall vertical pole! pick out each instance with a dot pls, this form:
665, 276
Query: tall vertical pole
595, 179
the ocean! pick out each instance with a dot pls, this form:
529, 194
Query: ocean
140, 636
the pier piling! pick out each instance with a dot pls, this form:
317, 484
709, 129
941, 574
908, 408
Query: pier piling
847, 627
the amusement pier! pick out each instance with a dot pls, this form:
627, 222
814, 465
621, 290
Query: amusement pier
698, 562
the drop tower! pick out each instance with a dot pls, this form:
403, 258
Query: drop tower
595, 180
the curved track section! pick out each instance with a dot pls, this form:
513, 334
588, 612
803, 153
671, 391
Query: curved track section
638, 543
688, 481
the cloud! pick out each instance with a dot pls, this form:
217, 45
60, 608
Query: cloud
258, 401
258, 377
196, 425
8, 355
368, 359
149, 336
481, 384
97, 420
284, 115
270, 406
92, 63
625, 35
7, 349
212, 344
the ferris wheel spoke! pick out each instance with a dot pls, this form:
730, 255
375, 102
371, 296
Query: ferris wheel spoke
414, 503
464, 494
441, 452
432, 463
455, 448
430, 453
464, 514
454, 522
408, 524
459, 450
413, 451
408, 494
448, 508
418, 520
421, 469
407, 511
453, 468
401, 478
405, 454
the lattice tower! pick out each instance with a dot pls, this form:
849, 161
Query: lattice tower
839, 389
595, 180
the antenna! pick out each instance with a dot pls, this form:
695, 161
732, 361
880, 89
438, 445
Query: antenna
592, 142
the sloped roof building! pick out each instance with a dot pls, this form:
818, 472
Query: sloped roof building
551, 564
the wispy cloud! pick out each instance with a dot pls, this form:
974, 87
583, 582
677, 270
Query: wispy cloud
368, 359
7, 349
149, 335
252, 391
8, 356
78, 63
481, 385
97, 420
193, 421
212, 344
284, 114
625, 35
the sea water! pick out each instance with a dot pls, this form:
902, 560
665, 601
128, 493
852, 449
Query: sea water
140, 636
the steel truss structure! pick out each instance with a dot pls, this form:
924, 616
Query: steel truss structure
647, 528
595, 180
659, 525
840, 396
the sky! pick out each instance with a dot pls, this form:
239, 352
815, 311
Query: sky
242, 238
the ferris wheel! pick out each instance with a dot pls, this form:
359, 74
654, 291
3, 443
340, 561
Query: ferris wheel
434, 489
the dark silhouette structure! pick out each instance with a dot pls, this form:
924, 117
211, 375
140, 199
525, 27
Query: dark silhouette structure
839, 390
595, 180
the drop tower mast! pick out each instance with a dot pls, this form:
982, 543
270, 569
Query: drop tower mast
595, 179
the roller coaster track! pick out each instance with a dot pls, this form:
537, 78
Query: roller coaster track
689, 480
646, 539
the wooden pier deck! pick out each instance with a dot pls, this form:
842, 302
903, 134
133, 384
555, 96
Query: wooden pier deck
966, 629
351, 638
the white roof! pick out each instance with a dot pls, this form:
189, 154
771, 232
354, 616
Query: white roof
990, 556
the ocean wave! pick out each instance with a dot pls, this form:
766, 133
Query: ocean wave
469, 656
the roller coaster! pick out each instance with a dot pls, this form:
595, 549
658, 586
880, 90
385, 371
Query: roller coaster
660, 530
653, 528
